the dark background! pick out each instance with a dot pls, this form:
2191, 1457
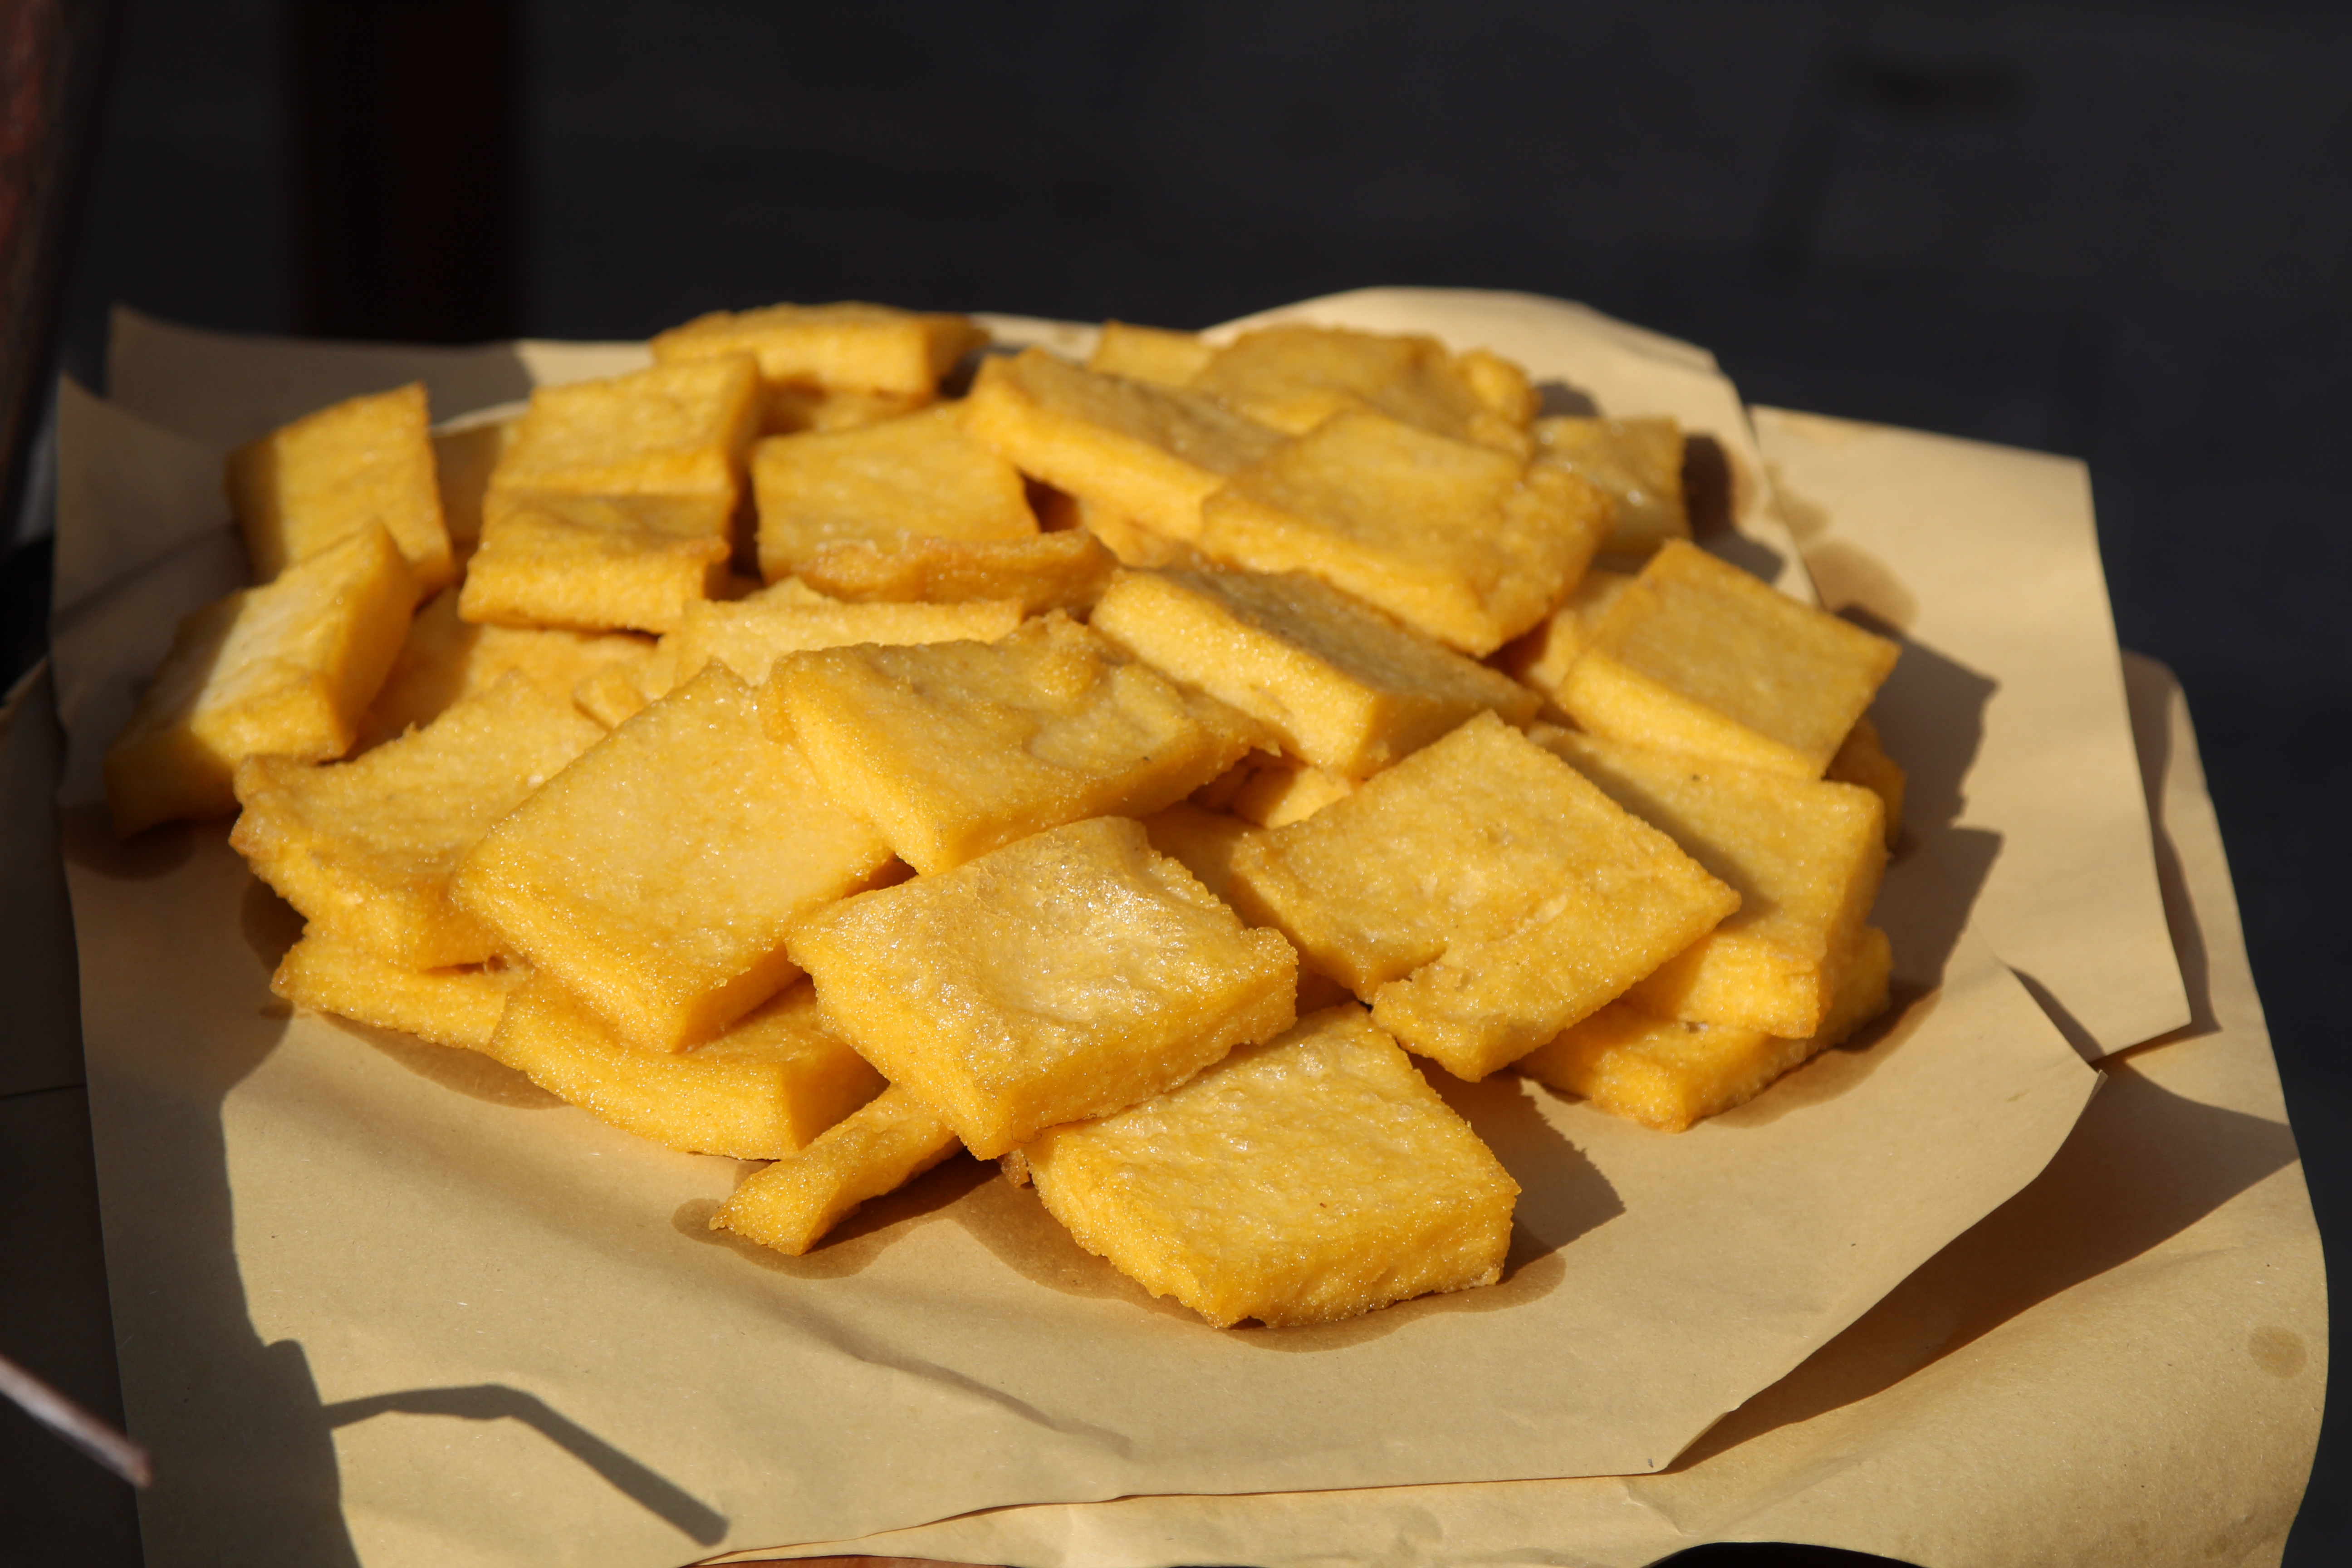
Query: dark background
2121, 232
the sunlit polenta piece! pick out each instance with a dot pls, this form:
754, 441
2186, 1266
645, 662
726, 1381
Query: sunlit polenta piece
366, 849
1804, 855
1343, 687
1636, 463
1151, 453
284, 669
1699, 656
307, 485
789, 408
952, 749
1469, 544
1482, 894
1294, 377
1203, 840
1861, 760
1667, 1074
445, 659
1543, 657
462, 461
655, 878
595, 563
918, 476
848, 346
1311, 1178
874, 1150
1279, 794
1067, 976
1150, 353
459, 1007
1131, 543
765, 1087
677, 430
1064, 571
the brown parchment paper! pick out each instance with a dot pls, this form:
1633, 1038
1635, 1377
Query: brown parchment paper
2068, 893
2121, 1367
475, 1326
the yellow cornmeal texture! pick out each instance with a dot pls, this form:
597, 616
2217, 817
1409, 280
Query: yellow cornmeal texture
307, 485
445, 659
655, 878
679, 430
953, 749
1804, 855
1309, 1179
454, 1007
1699, 656
1636, 463
595, 563
1482, 894
284, 669
1467, 544
1064, 571
1277, 795
1128, 542
843, 347
1341, 686
1861, 760
921, 474
1150, 353
1068, 976
766, 1086
365, 850
874, 1150
1543, 657
1149, 453
788, 409
462, 461
1203, 840
1294, 377
1667, 1074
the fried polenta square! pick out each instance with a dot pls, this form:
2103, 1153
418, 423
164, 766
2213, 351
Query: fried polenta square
789, 408
462, 461
876, 1149
655, 878
1313, 1177
921, 475
1481, 894
1343, 687
1667, 1074
1280, 794
766, 1084
1069, 975
284, 669
953, 749
1861, 760
595, 562
1151, 453
679, 429
848, 346
1636, 463
1804, 855
457, 1007
326, 476
365, 850
445, 659
1697, 656
1150, 353
1062, 571
1542, 657
1294, 377
1469, 545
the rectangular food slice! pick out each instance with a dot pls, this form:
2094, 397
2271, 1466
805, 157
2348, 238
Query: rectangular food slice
459, 1007
848, 346
680, 430
1152, 453
1469, 544
366, 849
920, 476
953, 749
655, 879
768, 1084
1804, 855
326, 476
1341, 686
1543, 657
1294, 377
1667, 1074
1636, 463
874, 1150
1305, 1180
284, 669
1481, 894
462, 461
1070, 974
1697, 656
1150, 353
594, 563
1278, 793
445, 659
1064, 571
1861, 760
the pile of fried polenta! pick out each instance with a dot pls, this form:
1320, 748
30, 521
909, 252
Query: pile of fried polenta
1114, 770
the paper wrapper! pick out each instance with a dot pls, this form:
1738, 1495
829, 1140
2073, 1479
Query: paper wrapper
475, 1326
